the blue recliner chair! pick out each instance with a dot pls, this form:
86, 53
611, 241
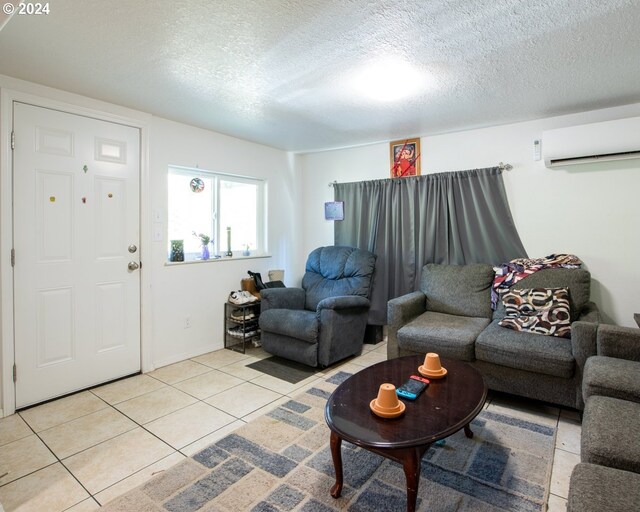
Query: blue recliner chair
324, 321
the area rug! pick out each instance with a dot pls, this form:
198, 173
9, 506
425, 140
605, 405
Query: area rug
282, 462
284, 369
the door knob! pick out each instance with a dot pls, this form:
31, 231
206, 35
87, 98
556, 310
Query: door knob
133, 265
132, 248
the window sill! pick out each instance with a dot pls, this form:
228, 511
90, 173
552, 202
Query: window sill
216, 260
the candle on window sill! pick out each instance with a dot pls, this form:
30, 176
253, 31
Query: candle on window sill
229, 252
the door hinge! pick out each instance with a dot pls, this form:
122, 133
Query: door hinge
13, 257
13, 140
15, 372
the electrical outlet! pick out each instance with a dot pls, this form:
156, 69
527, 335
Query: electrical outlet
187, 322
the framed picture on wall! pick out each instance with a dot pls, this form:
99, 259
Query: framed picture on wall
405, 158
334, 210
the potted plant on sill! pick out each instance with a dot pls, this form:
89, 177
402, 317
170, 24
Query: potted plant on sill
204, 240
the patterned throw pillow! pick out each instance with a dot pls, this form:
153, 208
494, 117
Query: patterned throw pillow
539, 311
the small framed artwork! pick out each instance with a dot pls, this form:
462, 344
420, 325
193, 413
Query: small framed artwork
405, 158
334, 210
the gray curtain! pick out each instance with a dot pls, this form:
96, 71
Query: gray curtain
454, 217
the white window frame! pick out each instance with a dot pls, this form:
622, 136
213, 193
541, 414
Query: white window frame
219, 232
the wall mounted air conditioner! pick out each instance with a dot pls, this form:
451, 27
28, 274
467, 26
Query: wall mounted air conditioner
595, 142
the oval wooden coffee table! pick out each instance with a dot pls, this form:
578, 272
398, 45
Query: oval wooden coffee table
446, 406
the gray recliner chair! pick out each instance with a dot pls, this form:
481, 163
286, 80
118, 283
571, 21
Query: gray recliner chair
325, 320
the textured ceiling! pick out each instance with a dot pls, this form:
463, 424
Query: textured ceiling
280, 72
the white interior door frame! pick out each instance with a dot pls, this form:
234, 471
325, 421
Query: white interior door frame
7, 97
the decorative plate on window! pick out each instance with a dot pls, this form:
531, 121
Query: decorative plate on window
197, 185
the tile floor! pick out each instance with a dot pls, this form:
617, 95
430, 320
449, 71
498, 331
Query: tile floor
81, 451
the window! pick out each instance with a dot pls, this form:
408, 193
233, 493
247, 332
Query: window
215, 205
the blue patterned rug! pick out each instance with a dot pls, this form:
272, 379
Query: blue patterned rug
282, 462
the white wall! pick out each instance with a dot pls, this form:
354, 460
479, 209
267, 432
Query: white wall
593, 212
199, 290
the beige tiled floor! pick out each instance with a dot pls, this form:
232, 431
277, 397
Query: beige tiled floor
78, 452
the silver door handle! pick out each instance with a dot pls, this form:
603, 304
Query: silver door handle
133, 265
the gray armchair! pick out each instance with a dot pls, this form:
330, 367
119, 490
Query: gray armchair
608, 476
324, 321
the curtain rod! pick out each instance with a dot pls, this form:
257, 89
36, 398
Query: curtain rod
502, 166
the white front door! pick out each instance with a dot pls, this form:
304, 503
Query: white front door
76, 229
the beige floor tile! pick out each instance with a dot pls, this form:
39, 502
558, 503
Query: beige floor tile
267, 408
305, 384
179, 371
308, 384
22, 457
208, 384
568, 436
13, 428
138, 478
156, 404
370, 358
563, 464
51, 489
103, 465
62, 410
281, 386
243, 399
240, 369
368, 347
191, 449
556, 504
258, 352
187, 425
88, 505
219, 358
381, 349
114, 465
77, 435
128, 388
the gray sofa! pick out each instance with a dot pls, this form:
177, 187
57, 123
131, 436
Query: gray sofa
325, 320
608, 476
451, 314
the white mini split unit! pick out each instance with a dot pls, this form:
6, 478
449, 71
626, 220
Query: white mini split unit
589, 143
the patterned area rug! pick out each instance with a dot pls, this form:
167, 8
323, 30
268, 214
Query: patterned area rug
282, 462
